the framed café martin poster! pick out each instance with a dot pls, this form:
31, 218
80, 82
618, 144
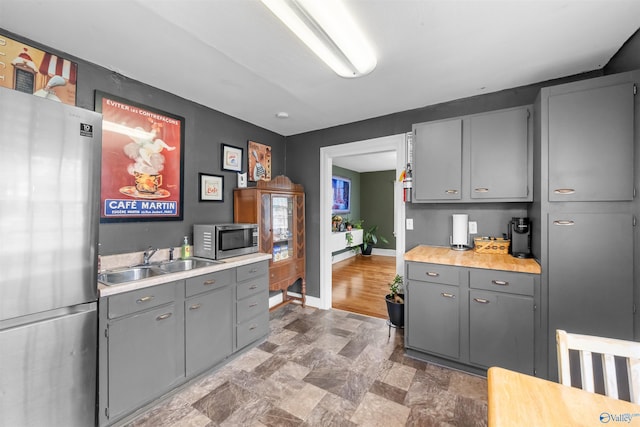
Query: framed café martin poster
142, 162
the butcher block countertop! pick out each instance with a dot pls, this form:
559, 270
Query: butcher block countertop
448, 256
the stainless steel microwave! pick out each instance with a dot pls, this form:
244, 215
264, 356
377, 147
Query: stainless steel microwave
219, 241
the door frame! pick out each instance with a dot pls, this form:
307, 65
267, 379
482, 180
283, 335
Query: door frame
395, 143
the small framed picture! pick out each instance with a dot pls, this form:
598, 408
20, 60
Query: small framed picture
242, 180
231, 158
211, 188
259, 159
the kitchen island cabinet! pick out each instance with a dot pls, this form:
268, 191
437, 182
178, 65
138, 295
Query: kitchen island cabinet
161, 335
486, 157
463, 312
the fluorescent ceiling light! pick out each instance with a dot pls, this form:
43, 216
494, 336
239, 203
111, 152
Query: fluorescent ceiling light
328, 29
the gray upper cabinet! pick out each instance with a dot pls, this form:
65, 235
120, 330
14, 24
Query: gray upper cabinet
591, 144
437, 155
478, 158
500, 166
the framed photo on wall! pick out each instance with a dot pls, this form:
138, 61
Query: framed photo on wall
231, 158
142, 162
211, 188
259, 156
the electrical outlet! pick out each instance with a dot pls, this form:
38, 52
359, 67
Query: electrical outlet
473, 227
409, 223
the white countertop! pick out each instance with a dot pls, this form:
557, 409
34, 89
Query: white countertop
108, 290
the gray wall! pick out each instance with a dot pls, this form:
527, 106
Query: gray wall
205, 130
376, 201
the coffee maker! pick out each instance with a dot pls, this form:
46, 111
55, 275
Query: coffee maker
519, 232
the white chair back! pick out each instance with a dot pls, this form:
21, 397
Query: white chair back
607, 348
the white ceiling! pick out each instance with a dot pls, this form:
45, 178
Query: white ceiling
235, 57
372, 162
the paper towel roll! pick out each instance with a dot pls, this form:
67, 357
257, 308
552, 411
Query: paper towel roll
460, 229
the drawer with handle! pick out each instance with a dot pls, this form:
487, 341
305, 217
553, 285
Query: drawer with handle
435, 273
250, 271
252, 287
502, 281
207, 282
142, 299
253, 329
252, 306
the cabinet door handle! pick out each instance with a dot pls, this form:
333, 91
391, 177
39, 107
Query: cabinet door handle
563, 222
500, 282
481, 190
253, 305
432, 274
195, 306
253, 327
564, 191
253, 287
447, 295
163, 316
144, 299
253, 270
209, 282
481, 300
451, 191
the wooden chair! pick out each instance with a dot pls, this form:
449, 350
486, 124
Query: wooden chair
608, 349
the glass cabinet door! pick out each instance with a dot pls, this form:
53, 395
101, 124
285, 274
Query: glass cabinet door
282, 217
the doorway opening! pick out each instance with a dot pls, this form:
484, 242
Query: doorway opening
394, 143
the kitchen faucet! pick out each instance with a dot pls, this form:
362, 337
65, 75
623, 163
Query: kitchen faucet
148, 254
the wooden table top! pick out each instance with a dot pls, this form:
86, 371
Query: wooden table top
516, 399
448, 256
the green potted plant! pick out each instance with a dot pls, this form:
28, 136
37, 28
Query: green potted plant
371, 237
395, 301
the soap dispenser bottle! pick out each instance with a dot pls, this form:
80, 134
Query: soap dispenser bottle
186, 249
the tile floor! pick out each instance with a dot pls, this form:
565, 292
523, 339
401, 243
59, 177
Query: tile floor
326, 368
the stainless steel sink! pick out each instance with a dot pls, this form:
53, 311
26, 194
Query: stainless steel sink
129, 275
186, 264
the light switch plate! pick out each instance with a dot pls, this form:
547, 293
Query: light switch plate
473, 227
409, 223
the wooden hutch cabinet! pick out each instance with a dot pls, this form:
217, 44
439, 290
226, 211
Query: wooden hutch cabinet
277, 206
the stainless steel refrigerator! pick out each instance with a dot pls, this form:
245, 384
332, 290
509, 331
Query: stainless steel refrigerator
49, 207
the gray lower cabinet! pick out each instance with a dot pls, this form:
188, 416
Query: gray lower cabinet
144, 346
432, 304
434, 312
475, 317
157, 338
586, 294
208, 329
501, 319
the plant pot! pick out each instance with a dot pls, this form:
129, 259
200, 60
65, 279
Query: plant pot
366, 252
396, 311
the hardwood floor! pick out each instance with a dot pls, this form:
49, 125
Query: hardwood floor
360, 283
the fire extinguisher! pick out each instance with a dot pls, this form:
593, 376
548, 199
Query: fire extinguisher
407, 183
